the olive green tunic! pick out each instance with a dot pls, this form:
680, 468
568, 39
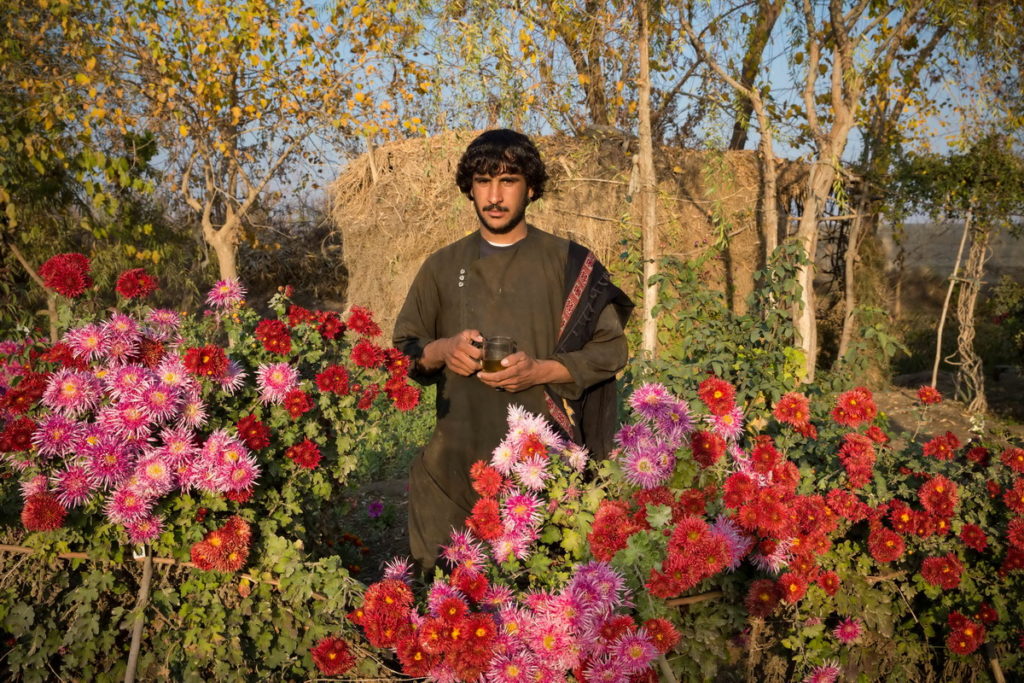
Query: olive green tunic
516, 292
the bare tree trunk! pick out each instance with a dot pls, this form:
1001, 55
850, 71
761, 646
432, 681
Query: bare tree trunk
970, 378
850, 261
769, 182
819, 182
953, 279
223, 242
768, 12
648, 181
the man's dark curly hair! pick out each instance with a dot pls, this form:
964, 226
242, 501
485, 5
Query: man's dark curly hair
502, 151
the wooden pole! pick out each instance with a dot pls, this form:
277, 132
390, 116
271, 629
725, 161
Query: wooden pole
949, 295
140, 615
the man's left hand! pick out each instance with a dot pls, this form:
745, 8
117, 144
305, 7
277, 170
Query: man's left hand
522, 372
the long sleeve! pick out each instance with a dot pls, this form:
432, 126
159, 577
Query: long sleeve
600, 358
417, 322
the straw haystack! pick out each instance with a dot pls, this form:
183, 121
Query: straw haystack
396, 207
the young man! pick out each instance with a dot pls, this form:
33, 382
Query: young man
507, 279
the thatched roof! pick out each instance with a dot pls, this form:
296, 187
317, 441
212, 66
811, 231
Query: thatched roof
413, 208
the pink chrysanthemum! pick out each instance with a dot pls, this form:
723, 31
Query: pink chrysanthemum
506, 547
241, 475
90, 438
154, 476
34, 485
162, 322
521, 511
463, 548
737, 543
178, 445
72, 392
193, 412
503, 458
646, 468
552, 643
438, 593
172, 372
728, 425
634, 650
675, 422
145, 529
233, 379
127, 505
605, 669
532, 472
634, 437
110, 464
848, 631
513, 668
161, 400
86, 342
577, 457
650, 400
605, 587
129, 419
523, 424
120, 350
226, 293
56, 435
128, 381
826, 673
773, 562
121, 326
72, 486
275, 381
498, 596
398, 569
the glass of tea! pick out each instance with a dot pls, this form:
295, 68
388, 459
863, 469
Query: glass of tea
494, 349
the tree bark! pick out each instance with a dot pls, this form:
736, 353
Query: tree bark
768, 12
648, 197
850, 260
970, 377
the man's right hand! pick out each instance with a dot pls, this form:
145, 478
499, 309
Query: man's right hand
456, 353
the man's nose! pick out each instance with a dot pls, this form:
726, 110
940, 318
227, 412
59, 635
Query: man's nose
494, 192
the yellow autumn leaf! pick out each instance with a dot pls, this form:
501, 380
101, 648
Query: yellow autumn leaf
183, 130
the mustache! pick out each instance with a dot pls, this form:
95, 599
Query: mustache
494, 207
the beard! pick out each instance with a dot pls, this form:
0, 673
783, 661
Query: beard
513, 219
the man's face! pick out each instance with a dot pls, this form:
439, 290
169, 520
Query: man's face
500, 201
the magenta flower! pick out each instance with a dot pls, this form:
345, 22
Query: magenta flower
728, 425
162, 322
122, 327
110, 464
86, 342
72, 392
128, 381
154, 476
675, 422
233, 379
178, 445
275, 381
848, 631
634, 650
225, 294
56, 435
172, 372
145, 529
532, 472
193, 412
634, 437
398, 569
72, 485
649, 400
521, 511
240, 475
127, 505
826, 673
646, 468
161, 400
35, 485
737, 543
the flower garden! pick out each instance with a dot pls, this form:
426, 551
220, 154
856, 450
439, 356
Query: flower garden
170, 480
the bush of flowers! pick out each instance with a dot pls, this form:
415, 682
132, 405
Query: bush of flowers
218, 440
514, 600
837, 549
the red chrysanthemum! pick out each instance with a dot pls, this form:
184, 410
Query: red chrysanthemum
987, 613
305, 454
274, 336
929, 395
1014, 459
224, 549
854, 407
17, 435
206, 361
66, 274
1015, 532
150, 352
707, 447
396, 362
942, 447
415, 660
977, 454
297, 402
253, 433
43, 512
485, 520
902, 517
764, 456
974, 537
662, 634
368, 396
487, 481
938, 496
875, 433
334, 379
857, 455
718, 395
361, 321
1014, 497
793, 408
135, 284
332, 657
61, 353
611, 529
966, 638
829, 582
329, 324
472, 584
737, 489
297, 315
762, 597
885, 545
367, 355
943, 571
993, 488
404, 397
